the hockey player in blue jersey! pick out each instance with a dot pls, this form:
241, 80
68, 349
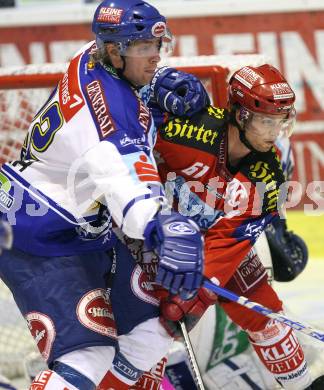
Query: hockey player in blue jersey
86, 168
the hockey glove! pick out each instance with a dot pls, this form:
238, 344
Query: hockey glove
174, 309
179, 245
178, 92
289, 252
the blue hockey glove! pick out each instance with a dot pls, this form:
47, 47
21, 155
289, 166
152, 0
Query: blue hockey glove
178, 92
160, 116
288, 251
179, 245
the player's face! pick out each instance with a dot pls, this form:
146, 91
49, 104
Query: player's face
141, 61
263, 130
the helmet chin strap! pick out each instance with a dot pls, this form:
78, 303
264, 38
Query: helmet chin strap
242, 132
107, 62
120, 71
243, 138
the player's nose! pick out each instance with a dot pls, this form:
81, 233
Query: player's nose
155, 59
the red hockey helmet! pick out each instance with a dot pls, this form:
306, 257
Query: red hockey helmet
261, 89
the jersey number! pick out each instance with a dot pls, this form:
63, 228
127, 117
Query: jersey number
43, 131
196, 170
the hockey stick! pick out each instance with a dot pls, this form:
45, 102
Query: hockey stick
192, 357
307, 329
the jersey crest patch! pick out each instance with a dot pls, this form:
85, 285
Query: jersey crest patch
94, 311
43, 330
99, 107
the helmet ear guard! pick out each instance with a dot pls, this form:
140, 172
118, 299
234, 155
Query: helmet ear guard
244, 114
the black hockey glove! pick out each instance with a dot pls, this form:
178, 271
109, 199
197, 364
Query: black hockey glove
288, 251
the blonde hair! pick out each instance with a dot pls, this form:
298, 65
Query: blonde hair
100, 55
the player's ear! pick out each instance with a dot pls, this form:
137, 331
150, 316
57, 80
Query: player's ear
238, 116
114, 55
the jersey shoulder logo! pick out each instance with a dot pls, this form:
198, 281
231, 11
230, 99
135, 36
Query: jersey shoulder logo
70, 95
265, 171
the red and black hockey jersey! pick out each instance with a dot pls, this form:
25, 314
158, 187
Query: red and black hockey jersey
231, 204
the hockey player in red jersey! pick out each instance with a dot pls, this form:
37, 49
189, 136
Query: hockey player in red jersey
223, 170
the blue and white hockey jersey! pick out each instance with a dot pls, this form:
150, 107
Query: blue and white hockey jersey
86, 162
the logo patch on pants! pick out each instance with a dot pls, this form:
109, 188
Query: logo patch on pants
142, 287
43, 330
283, 356
94, 311
249, 274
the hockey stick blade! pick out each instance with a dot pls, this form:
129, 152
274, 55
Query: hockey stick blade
306, 329
192, 357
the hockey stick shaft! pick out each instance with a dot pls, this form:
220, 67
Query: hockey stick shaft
192, 357
306, 329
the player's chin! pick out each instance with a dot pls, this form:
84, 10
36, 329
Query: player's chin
142, 80
148, 76
266, 147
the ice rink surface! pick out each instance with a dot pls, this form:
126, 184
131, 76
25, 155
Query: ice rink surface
305, 295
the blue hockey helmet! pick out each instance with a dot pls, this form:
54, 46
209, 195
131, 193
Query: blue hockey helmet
124, 21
